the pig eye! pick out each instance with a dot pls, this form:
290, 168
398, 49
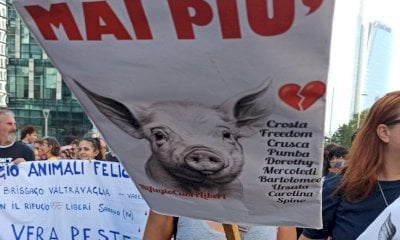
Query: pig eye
160, 136
226, 134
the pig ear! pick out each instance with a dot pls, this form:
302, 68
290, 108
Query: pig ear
115, 111
250, 109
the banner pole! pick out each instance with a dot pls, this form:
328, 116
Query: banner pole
231, 231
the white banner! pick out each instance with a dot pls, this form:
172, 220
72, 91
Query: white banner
215, 107
386, 226
69, 200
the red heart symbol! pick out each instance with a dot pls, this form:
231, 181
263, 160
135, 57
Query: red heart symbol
302, 99
312, 4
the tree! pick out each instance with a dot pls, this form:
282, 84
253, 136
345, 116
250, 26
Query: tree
343, 135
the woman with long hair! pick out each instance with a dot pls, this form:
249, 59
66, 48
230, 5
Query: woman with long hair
370, 180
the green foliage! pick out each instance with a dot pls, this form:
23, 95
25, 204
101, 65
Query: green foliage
344, 133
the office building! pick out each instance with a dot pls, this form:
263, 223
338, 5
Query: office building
373, 64
377, 72
35, 90
3, 57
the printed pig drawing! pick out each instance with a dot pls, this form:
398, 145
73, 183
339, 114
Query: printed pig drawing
195, 148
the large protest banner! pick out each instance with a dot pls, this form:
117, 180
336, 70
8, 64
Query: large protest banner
69, 200
215, 107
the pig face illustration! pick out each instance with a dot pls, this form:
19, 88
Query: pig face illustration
194, 147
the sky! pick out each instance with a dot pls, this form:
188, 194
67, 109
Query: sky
339, 89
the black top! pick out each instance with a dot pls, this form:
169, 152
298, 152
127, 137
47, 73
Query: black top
345, 220
111, 158
16, 150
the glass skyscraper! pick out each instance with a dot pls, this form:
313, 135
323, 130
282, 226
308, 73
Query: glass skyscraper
377, 71
373, 65
34, 84
3, 57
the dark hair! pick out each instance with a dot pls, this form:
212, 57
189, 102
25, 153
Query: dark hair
55, 145
67, 153
28, 129
327, 149
70, 139
338, 152
96, 146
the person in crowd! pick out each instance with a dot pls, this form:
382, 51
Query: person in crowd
74, 151
35, 151
327, 149
51, 148
65, 152
28, 135
111, 157
103, 148
325, 171
370, 180
10, 149
69, 139
337, 157
164, 227
89, 149
38, 146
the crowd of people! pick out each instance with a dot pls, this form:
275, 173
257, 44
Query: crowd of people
358, 183
32, 148
87, 148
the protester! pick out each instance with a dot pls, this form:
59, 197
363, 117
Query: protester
74, 151
69, 139
38, 146
35, 151
370, 181
28, 135
103, 148
10, 149
163, 227
51, 148
65, 152
327, 149
111, 157
337, 157
326, 170
89, 149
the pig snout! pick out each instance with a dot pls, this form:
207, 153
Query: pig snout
204, 160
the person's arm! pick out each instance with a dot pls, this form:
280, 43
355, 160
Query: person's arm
18, 161
287, 233
159, 227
